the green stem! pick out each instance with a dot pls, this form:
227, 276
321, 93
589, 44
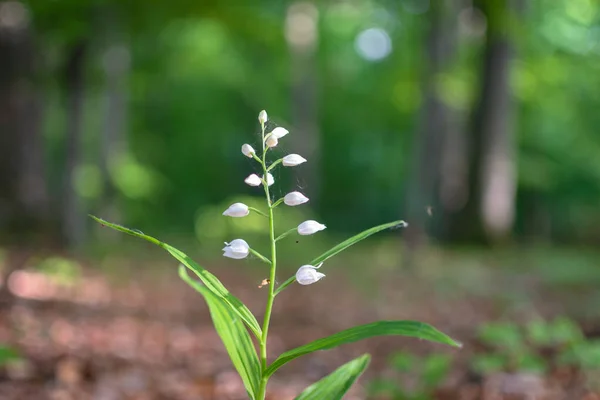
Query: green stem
260, 256
269, 308
262, 390
278, 202
284, 234
274, 164
256, 210
256, 157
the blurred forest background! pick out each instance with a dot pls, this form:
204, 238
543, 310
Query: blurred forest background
474, 120
486, 113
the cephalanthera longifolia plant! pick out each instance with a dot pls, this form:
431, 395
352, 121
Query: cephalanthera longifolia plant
236, 324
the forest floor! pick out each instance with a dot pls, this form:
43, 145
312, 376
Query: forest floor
120, 327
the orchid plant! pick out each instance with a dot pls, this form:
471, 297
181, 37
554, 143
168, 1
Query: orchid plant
243, 337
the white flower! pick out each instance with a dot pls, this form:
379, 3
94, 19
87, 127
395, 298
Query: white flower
294, 199
270, 179
262, 117
309, 227
237, 210
247, 150
279, 132
271, 141
307, 274
253, 180
291, 160
237, 249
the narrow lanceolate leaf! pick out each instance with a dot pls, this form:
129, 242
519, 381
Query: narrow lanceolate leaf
381, 328
336, 384
343, 246
233, 333
211, 281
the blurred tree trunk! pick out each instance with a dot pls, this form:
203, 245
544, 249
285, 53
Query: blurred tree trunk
488, 213
73, 215
23, 195
24, 204
301, 35
435, 123
113, 141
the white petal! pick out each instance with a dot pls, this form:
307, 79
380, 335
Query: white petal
239, 245
270, 179
247, 150
237, 249
309, 227
232, 254
279, 132
307, 275
253, 180
294, 199
272, 141
292, 160
237, 210
262, 117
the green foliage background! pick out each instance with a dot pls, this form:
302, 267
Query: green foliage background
201, 71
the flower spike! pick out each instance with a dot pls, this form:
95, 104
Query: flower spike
292, 160
271, 141
248, 151
253, 180
279, 132
237, 210
270, 179
307, 274
295, 199
262, 117
309, 227
237, 249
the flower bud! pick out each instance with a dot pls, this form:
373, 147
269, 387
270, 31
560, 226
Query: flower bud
262, 117
271, 141
253, 180
291, 160
247, 150
270, 179
237, 210
307, 274
295, 199
237, 249
309, 227
279, 132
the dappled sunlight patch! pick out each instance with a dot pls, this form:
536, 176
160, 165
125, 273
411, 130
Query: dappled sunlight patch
32, 285
36, 285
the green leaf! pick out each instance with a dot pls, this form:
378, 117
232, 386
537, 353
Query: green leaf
211, 281
336, 384
233, 333
343, 246
380, 328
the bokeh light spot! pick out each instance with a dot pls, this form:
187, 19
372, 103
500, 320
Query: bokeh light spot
373, 44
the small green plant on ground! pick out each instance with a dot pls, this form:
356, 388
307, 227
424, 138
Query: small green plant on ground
426, 375
537, 346
585, 356
506, 349
236, 324
8, 355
